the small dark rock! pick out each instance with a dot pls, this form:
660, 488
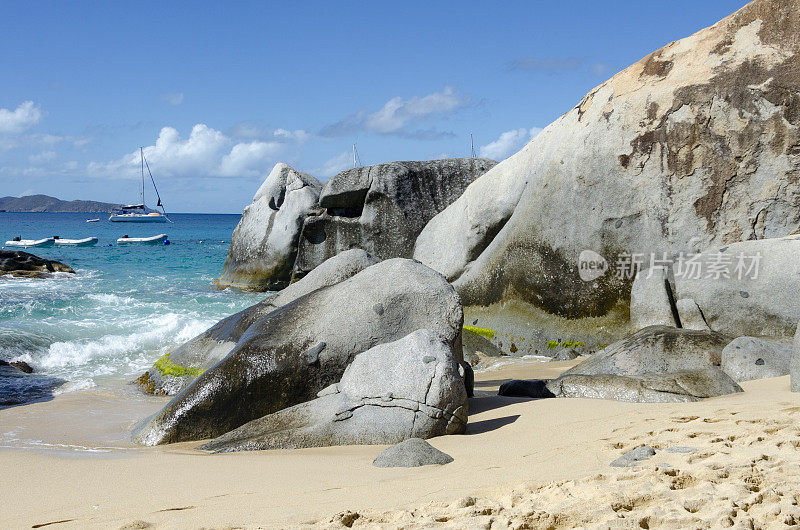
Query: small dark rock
311, 355
22, 366
534, 388
413, 452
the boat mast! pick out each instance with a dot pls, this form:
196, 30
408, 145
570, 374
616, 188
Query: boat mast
356, 159
471, 146
141, 157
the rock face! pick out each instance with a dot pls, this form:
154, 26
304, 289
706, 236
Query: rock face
382, 208
290, 354
656, 364
172, 374
757, 296
413, 452
696, 145
651, 299
19, 385
264, 243
748, 358
22, 264
410, 388
690, 315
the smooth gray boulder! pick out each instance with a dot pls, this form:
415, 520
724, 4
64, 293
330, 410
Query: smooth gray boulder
748, 358
655, 364
207, 349
413, 452
690, 315
694, 145
292, 353
755, 294
656, 349
651, 299
476, 345
666, 387
409, 388
634, 457
382, 208
23, 264
264, 244
794, 366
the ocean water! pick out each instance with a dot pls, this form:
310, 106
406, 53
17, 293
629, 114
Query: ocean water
125, 307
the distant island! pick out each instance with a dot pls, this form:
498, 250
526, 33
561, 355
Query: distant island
45, 203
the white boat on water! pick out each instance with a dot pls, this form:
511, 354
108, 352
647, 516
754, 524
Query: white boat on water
137, 213
24, 243
160, 238
92, 220
85, 242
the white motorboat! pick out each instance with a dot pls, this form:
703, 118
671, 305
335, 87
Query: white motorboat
18, 242
92, 220
160, 238
137, 213
85, 242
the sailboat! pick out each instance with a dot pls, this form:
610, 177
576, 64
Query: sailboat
137, 213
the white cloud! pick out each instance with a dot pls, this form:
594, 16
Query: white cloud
44, 156
508, 143
340, 162
22, 118
173, 99
206, 152
398, 114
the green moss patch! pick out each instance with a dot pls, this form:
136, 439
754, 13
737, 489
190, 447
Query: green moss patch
483, 332
167, 367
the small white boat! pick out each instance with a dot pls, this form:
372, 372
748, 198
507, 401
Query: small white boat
85, 242
17, 242
160, 238
92, 220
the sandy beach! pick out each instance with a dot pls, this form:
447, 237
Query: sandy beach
523, 463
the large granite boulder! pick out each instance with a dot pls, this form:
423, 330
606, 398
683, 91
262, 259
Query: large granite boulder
289, 355
409, 388
23, 264
264, 244
755, 293
669, 387
651, 299
655, 364
693, 146
382, 208
748, 358
176, 370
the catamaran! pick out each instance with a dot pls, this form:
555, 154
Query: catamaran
137, 213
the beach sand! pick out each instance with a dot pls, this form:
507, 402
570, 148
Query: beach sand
523, 463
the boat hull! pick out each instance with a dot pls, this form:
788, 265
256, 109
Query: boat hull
85, 242
143, 240
28, 243
136, 218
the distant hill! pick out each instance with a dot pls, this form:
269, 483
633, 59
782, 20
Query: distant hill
45, 203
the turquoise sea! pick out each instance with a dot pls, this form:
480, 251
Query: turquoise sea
125, 307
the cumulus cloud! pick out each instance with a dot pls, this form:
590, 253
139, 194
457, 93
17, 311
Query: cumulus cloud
25, 116
397, 115
207, 152
508, 143
173, 99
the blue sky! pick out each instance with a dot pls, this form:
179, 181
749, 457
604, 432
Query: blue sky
218, 92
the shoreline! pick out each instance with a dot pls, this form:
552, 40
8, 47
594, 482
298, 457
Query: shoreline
519, 441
